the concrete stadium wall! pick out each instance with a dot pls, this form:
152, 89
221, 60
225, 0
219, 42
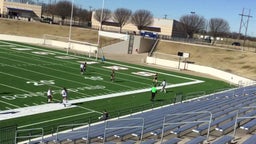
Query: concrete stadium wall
114, 35
64, 45
231, 78
117, 48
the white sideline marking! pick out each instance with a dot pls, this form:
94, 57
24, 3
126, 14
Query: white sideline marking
14, 113
130, 92
25, 111
48, 107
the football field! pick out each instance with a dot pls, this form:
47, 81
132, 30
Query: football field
27, 71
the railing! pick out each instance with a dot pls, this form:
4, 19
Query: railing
28, 134
93, 118
7, 134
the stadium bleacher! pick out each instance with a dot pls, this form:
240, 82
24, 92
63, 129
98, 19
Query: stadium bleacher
223, 107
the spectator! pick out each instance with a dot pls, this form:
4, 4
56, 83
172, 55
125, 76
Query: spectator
104, 115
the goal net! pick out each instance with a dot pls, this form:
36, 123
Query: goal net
49, 39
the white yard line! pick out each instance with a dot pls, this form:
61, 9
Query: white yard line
131, 92
9, 104
49, 107
106, 62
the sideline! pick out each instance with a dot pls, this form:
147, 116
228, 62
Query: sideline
20, 112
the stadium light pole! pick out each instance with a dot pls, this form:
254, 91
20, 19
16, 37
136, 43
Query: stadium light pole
70, 25
101, 17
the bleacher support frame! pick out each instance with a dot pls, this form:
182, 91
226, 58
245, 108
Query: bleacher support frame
30, 134
165, 123
241, 117
139, 125
73, 130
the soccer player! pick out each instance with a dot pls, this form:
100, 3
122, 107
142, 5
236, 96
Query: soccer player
85, 66
112, 75
163, 84
64, 94
155, 78
49, 95
104, 115
82, 68
153, 92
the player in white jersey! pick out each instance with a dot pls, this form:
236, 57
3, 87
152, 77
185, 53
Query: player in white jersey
82, 68
163, 84
64, 94
49, 95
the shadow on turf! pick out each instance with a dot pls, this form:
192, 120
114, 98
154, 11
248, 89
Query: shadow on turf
5, 93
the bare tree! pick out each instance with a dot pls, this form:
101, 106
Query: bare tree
80, 15
192, 23
63, 9
218, 27
106, 14
122, 16
142, 18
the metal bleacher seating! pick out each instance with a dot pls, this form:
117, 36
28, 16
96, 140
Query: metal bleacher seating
250, 140
223, 107
249, 126
226, 139
197, 140
172, 141
225, 128
149, 141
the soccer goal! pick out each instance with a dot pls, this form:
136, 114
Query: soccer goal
73, 46
50, 39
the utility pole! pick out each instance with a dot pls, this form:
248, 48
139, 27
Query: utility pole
165, 16
244, 23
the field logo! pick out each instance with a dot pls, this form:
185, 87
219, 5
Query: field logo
55, 92
116, 67
88, 62
146, 74
94, 78
65, 57
41, 82
44, 53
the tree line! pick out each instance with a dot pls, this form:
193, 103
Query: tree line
190, 23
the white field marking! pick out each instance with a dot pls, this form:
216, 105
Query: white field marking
105, 75
79, 74
35, 104
43, 102
122, 65
131, 92
7, 108
9, 104
89, 109
54, 119
110, 63
26, 105
19, 88
55, 78
67, 73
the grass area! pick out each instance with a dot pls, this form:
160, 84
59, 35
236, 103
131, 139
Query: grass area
27, 72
